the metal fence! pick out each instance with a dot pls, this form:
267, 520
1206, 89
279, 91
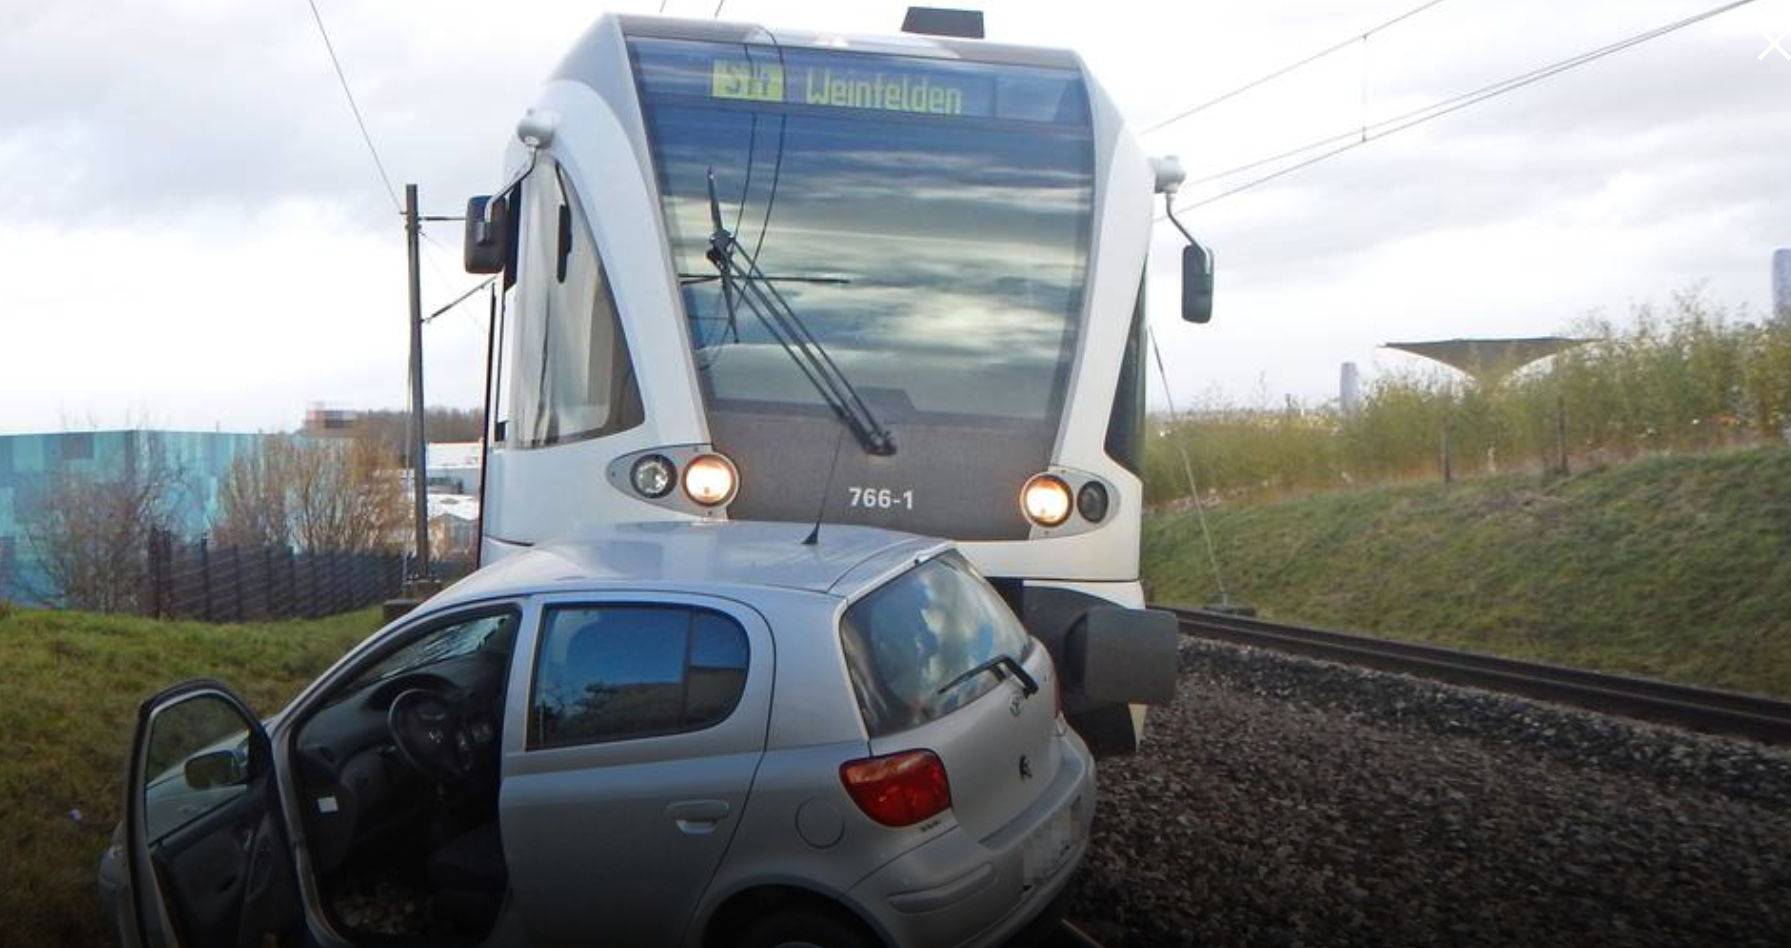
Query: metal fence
234, 584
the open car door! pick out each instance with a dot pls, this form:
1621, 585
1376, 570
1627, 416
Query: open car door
206, 849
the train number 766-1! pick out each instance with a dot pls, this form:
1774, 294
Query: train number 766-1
881, 498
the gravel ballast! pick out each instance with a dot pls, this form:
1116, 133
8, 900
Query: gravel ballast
1284, 802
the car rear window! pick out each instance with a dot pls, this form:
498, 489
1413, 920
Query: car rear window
906, 641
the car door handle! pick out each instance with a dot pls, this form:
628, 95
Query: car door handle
698, 817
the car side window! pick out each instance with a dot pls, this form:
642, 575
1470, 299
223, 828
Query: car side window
197, 761
620, 672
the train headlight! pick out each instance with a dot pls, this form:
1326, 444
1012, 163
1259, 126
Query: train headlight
653, 476
710, 480
1046, 500
1091, 502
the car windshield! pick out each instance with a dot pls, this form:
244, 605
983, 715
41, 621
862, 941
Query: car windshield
928, 221
463, 640
909, 644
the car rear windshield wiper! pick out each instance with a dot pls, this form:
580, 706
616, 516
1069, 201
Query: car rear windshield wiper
750, 285
1001, 666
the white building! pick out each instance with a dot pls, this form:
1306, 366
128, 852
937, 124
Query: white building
453, 526
1781, 283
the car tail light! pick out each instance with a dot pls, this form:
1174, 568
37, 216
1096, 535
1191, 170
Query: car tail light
898, 790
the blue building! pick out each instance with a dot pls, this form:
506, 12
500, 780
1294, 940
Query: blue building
31, 463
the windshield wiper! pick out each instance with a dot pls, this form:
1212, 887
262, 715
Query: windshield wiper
732, 318
750, 285
1001, 666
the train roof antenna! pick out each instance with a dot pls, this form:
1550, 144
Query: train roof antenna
814, 536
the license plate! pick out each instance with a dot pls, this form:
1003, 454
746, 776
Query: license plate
1045, 851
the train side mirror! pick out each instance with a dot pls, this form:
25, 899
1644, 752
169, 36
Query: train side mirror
1197, 284
487, 224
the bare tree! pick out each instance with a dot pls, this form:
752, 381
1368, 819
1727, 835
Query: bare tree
90, 534
391, 427
252, 497
347, 497
324, 496
8, 576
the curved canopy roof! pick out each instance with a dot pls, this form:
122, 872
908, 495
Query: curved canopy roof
1488, 361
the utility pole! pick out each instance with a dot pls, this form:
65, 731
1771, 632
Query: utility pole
1448, 466
420, 583
1561, 432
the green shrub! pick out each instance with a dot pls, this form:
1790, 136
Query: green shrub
1689, 376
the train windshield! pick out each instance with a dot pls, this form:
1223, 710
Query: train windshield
928, 221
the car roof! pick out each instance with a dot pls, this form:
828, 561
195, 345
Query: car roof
842, 561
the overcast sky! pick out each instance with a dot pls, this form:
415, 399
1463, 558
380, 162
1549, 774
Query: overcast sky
194, 235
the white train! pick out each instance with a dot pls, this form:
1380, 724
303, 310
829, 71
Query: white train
795, 276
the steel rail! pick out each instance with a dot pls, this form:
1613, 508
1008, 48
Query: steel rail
1698, 709
1069, 935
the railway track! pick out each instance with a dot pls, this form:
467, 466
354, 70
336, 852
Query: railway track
1716, 712
1069, 935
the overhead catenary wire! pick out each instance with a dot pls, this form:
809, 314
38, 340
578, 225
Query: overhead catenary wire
386, 179
460, 299
1206, 533
1291, 67
1444, 106
1355, 138
431, 246
367, 137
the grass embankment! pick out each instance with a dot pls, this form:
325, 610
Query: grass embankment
1672, 567
70, 684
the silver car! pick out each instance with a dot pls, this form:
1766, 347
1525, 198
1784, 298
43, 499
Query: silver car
700, 734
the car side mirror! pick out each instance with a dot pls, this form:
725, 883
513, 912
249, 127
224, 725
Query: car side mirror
220, 768
487, 225
1197, 284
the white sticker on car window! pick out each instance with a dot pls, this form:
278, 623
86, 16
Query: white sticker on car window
326, 805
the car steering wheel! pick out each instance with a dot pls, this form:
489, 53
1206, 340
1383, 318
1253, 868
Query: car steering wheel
430, 735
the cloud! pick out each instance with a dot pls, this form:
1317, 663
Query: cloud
1653, 170
199, 234
146, 110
